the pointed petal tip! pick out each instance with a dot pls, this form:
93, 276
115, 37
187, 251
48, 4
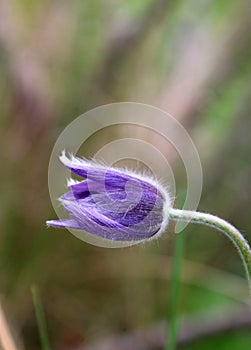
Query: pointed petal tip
65, 223
70, 182
64, 159
50, 223
71, 160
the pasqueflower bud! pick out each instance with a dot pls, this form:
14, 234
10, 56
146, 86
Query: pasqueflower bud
113, 203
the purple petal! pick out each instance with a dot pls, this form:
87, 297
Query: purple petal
80, 190
110, 178
144, 213
70, 223
98, 224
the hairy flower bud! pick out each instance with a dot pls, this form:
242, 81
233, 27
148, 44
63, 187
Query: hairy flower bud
113, 203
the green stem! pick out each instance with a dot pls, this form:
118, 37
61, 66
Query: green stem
222, 225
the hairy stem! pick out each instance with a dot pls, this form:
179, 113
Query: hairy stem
222, 225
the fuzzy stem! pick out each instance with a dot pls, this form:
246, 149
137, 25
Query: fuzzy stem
222, 225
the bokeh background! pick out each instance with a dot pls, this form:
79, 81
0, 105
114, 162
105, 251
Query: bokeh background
58, 59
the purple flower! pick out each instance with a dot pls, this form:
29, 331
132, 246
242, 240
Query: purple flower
113, 203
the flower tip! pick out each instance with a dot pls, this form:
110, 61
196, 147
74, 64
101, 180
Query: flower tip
49, 223
71, 182
63, 158
71, 161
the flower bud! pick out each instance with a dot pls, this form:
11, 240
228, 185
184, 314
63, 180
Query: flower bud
112, 203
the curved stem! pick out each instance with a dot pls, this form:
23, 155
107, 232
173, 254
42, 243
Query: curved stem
222, 225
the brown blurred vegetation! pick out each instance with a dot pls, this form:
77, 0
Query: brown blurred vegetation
59, 59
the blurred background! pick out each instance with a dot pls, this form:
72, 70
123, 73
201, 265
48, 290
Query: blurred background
58, 59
